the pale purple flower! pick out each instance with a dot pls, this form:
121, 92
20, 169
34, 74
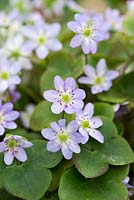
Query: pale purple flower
66, 97
7, 117
88, 124
129, 187
113, 19
7, 19
100, 78
89, 31
14, 48
63, 137
15, 95
130, 4
26, 115
13, 147
8, 74
42, 38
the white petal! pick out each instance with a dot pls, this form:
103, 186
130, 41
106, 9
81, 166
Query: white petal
20, 155
48, 134
89, 109
42, 52
101, 67
53, 146
96, 135
8, 157
54, 45
58, 83
57, 108
74, 147
67, 153
26, 143
72, 127
76, 41
95, 122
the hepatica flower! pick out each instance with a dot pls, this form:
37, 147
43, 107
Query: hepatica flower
13, 147
100, 78
88, 124
63, 137
8, 74
42, 38
7, 117
89, 31
66, 97
7, 19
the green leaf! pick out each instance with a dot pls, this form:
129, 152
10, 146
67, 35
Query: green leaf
121, 91
42, 116
63, 64
95, 158
107, 187
104, 109
31, 179
128, 24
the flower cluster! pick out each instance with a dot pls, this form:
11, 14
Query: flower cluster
67, 98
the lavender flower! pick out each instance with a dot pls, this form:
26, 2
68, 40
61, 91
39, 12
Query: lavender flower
114, 19
88, 124
129, 187
7, 117
42, 38
14, 95
15, 49
62, 137
89, 31
7, 19
8, 74
130, 5
100, 79
13, 147
66, 96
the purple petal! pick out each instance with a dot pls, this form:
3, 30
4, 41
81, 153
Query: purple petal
76, 41
42, 52
54, 29
53, 146
101, 67
62, 123
2, 130
7, 107
74, 147
58, 83
98, 20
81, 18
69, 109
57, 108
78, 104
93, 47
106, 86
67, 153
84, 80
55, 127
86, 47
10, 116
50, 95
96, 89
26, 143
79, 94
80, 138
74, 26
2, 147
8, 157
72, 127
14, 80
89, 110
96, 135
70, 83
111, 75
10, 125
95, 122
20, 155
54, 45
48, 133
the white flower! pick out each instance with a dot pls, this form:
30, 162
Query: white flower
26, 115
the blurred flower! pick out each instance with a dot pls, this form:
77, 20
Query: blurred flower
14, 48
100, 79
113, 19
75, 7
126, 182
7, 117
8, 74
7, 19
88, 124
66, 96
130, 4
42, 38
15, 95
21, 5
62, 137
26, 115
89, 31
13, 147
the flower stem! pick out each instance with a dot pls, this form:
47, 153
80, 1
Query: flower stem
86, 59
63, 115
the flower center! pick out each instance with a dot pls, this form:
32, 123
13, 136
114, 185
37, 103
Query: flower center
5, 20
85, 124
99, 80
12, 143
66, 98
15, 54
41, 40
4, 75
63, 137
87, 32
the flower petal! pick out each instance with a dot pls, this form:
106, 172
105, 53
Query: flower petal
74, 147
10, 116
96, 135
62, 123
84, 80
2, 147
89, 109
26, 143
2, 130
76, 41
111, 75
74, 26
10, 125
78, 104
70, 83
72, 127
7, 107
101, 67
8, 157
79, 94
48, 133
55, 127
95, 122
54, 45
53, 146
20, 155
67, 153
58, 83
69, 109
57, 108
96, 89
42, 52
50, 95
86, 46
